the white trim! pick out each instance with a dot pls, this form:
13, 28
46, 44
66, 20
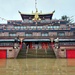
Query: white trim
37, 40
65, 40
7, 39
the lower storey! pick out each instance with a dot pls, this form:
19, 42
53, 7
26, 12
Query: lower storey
3, 54
70, 53
61, 52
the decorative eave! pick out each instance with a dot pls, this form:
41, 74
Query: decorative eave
37, 15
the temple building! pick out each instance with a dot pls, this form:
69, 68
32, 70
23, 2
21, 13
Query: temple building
39, 35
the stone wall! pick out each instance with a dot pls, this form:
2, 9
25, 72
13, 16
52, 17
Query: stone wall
11, 52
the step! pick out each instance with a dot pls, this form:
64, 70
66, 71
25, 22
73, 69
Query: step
40, 53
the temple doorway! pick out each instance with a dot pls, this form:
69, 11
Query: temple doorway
38, 45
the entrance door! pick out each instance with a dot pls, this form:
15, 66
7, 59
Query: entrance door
30, 45
44, 45
36, 45
70, 53
3, 54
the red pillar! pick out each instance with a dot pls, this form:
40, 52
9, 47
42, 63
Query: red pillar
20, 45
52, 44
30, 45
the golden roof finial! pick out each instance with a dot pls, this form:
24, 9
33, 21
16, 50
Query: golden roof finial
36, 17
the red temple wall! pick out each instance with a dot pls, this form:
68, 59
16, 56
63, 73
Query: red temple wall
3, 54
70, 53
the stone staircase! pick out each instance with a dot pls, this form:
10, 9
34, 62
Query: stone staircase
39, 53
50, 53
22, 53
33, 53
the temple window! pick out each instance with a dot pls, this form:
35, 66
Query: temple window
49, 27
36, 33
28, 34
30, 21
12, 34
47, 20
24, 27
39, 27
33, 27
58, 26
27, 27
55, 27
44, 34
42, 21
61, 34
17, 27
26, 20
6, 44
67, 43
20, 27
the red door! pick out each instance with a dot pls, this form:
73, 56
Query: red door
3, 54
70, 53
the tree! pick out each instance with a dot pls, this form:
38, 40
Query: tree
66, 18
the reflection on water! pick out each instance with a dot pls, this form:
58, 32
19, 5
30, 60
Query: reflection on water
37, 66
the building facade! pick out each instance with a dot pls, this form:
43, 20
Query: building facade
38, 31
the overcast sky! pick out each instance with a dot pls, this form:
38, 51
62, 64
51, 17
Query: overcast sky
9, 8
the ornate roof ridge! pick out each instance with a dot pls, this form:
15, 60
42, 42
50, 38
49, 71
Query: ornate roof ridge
35, 12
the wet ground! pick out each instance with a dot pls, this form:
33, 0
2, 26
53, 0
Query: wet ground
37, 66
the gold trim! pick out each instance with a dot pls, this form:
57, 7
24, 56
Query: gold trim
38, 13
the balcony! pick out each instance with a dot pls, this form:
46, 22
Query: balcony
38, 37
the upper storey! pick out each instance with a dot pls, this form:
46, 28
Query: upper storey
36, 16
